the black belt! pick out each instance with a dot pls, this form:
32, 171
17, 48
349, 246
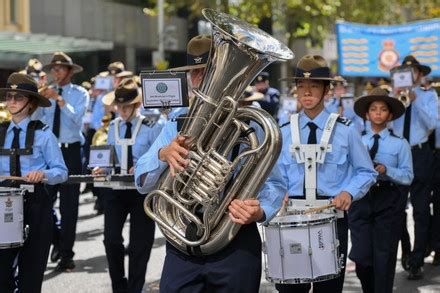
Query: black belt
420, 146
384, 184
65, 145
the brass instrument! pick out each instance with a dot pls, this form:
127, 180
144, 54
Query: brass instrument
100, 136
44, 87
215, 123
403, 96
4, 113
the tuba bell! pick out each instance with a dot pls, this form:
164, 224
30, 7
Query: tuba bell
191, 208
403, 97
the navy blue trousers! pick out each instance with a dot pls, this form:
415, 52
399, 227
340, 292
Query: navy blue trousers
69, 200
32, 257
373, 221
435, 220
236, 268
118, 205
333, 285
420, 196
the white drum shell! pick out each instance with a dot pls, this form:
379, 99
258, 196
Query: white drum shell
301, 249
11, 217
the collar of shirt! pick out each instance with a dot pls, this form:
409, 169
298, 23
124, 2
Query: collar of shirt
22, 124
66, 88
133, 121
318, 120
383, 134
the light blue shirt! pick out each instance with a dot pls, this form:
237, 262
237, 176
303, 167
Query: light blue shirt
347, 167
332, 105
97, 113
46, 156
144, 138
271, 193
71, 116
424, 115
395, 154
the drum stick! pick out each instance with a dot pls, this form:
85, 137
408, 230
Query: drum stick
17, 178
318, 209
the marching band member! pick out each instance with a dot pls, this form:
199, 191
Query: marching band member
120, 203
42, 160
374, 218
64, 116
271, 100
237, 267
347, 171
415, 126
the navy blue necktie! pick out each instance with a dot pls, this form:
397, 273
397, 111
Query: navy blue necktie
15, 164
57, 116
407, 123
312, 134
130, 153
375, 147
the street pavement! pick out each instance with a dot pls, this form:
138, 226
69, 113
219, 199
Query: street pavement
91, 272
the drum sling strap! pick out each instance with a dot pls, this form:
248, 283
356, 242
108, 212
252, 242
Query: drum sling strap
310, 155
126, 142
14, 153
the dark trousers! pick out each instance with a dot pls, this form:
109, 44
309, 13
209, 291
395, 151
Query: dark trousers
32, 257
420, 196
435, 220
373, 221
333, 285
118, 205
69, 200
236, 268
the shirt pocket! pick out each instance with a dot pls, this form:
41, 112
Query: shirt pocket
335, 166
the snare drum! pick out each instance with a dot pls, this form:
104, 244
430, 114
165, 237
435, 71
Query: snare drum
301, 249
11, 217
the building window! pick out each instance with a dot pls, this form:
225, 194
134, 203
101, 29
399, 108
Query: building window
13, 11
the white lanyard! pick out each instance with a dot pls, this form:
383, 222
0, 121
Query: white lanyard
125, 142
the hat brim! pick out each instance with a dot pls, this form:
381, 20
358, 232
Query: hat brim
424, 69
188, 67
294, 78
254, 97
362, 104
75, 67
109, 99
42, 101
124, 73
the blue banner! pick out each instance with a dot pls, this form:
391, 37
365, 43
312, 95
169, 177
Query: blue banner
373, 50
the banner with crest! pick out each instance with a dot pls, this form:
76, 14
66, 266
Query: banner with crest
372, 50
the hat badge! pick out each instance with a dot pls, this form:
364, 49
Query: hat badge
14, 86
408, 62
198, 60
8, 203
307, 74
120, 99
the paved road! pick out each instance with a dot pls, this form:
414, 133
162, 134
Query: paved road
91, 273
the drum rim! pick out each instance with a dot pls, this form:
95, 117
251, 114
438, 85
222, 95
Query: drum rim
331, 218
304, 280
8, 191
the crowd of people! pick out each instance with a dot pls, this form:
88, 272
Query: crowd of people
383, 154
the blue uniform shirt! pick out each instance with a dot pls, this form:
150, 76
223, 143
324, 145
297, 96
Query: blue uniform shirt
149, 165
46, 156
97, 113
347, 168
144, 139
395, 154
71, 116
424, 114
332, 105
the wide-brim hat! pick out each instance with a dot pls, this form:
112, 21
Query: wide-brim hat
25, 84
34, 68
117, 69
262, 77
311, 67
251, 95
61, 58
197, 53
127, 93
410, 60
362, 104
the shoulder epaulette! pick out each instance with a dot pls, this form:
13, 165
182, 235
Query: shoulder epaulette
38, 125
393, 134
343, 120
112, 122
149, 121
287, 123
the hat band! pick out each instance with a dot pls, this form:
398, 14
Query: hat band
197, 59
23, 86
126, 97
314, 73
115, 70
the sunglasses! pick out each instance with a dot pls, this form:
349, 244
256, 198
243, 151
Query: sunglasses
18, 97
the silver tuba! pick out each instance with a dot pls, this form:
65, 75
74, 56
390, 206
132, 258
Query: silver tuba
191, 208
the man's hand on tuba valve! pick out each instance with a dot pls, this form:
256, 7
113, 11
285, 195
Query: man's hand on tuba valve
245, 211
175, 155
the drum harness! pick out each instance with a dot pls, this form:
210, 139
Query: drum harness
309, 155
